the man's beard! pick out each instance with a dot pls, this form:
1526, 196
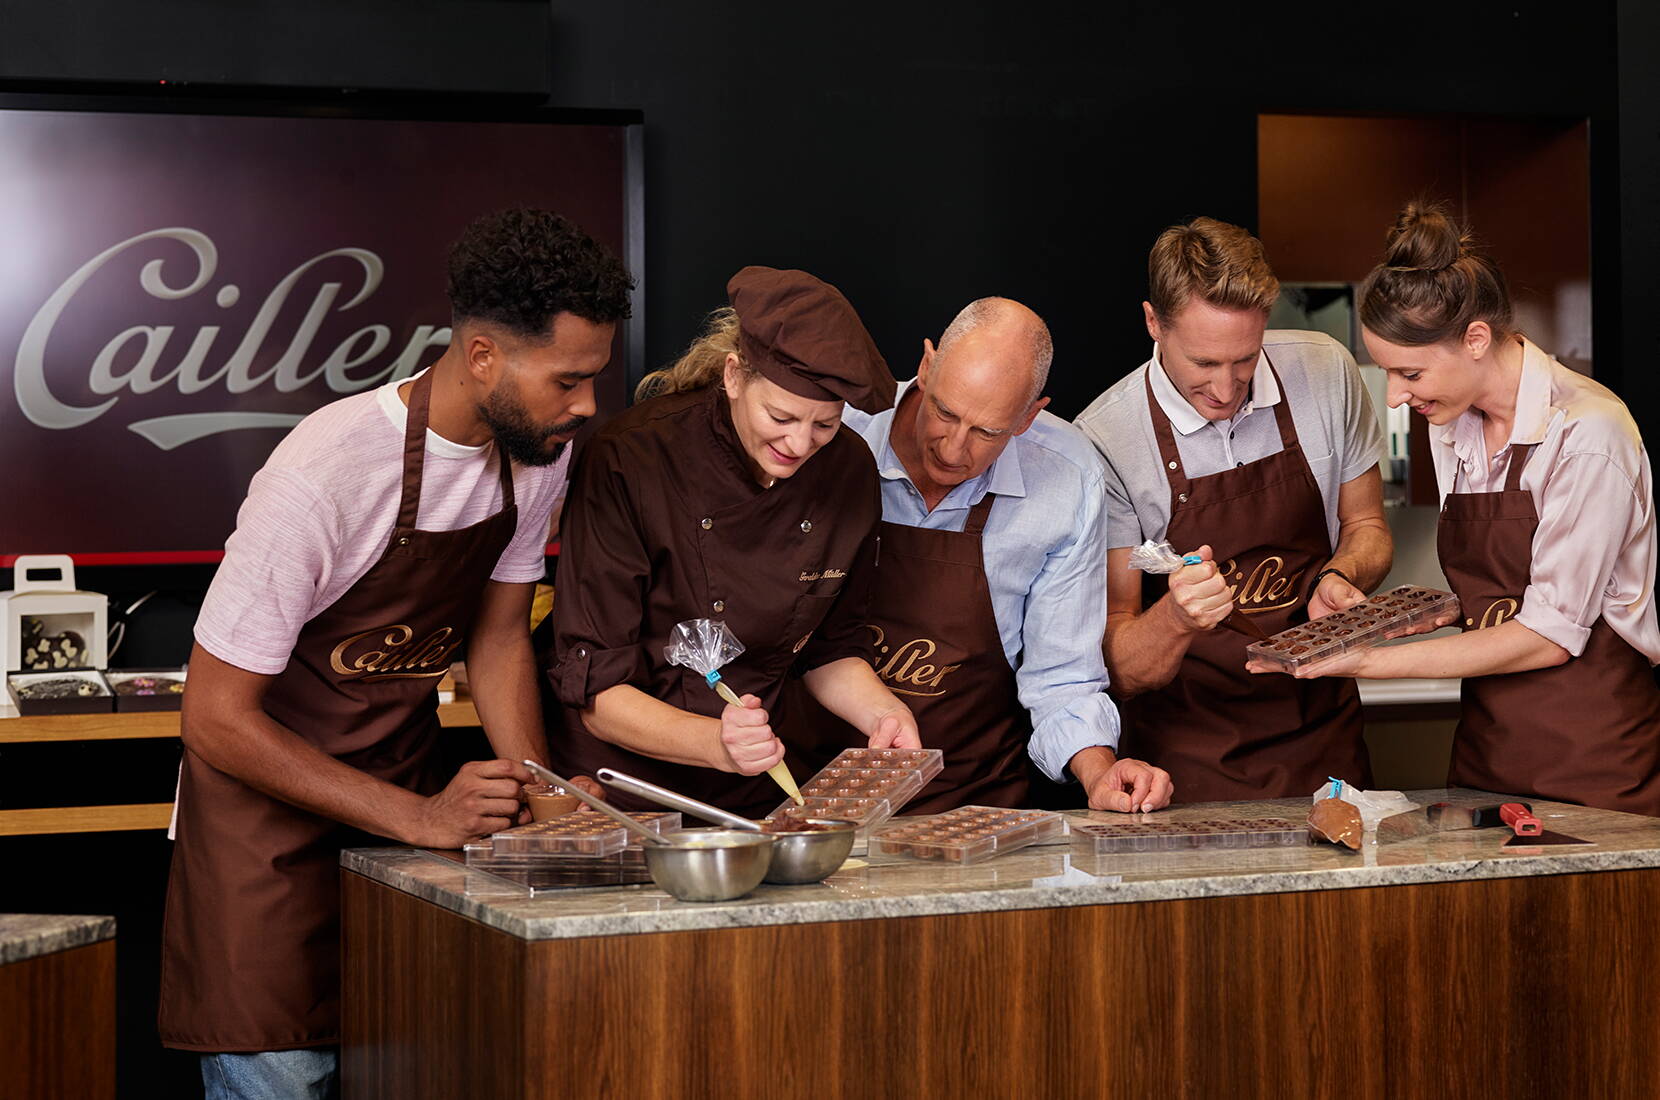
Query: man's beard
520, 438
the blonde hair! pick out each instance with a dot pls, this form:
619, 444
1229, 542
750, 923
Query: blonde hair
1433, 283
703, 363
1213, 261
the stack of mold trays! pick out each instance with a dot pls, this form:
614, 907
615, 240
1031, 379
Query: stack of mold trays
1104, 838
967, 834
576, 834
864, 786
1388, 614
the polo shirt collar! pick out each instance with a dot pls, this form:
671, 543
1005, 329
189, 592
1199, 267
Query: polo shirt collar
1265, 393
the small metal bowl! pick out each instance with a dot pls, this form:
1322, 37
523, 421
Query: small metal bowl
709, 864
810, 855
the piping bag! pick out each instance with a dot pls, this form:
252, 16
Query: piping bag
704, 645
1159, 557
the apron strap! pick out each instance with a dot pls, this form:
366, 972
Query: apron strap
1513, 477
975, 524
414, 451
1172, 459
505, 469
1282, 408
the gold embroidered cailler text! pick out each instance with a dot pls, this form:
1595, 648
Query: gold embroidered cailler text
1267, 588
908, 669
1498, 611
401, 657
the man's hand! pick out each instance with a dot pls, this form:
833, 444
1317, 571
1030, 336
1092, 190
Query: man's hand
747, 739
896, 729
1126, 786
1333, 593
591, 786
1199, 596
483, 798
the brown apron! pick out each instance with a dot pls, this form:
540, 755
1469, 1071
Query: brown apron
1223, 733
1587, 731
251, 944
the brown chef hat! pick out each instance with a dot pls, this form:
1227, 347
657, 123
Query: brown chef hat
801, 333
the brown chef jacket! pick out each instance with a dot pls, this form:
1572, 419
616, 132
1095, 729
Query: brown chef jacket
665, 522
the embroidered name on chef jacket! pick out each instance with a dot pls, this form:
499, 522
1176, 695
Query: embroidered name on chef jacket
908, 669
821, 574
391, 653
1268, 587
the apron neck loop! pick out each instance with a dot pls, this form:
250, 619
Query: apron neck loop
1519, 454
414, 449
976, 523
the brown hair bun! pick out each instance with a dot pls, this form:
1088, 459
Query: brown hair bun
1434, 282
1425, 239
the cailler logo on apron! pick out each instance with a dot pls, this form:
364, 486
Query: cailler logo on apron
1268, 588
1497, 612
400, 658
906, 668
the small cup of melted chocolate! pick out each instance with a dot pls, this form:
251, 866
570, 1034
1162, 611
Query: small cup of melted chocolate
548, 801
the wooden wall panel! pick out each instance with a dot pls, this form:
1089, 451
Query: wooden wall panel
57, 1025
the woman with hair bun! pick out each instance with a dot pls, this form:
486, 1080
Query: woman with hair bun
1546, 533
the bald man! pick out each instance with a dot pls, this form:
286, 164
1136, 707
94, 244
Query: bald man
991, 597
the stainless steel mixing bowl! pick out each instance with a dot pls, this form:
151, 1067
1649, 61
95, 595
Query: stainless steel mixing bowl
709, 864
810, 855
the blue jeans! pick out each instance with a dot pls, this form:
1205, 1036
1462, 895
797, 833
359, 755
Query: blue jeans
311, 1074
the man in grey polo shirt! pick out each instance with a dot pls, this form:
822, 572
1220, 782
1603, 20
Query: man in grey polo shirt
1258, 452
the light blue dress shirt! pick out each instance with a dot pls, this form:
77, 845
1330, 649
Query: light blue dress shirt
1045, 550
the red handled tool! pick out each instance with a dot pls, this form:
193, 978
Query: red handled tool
1516, 815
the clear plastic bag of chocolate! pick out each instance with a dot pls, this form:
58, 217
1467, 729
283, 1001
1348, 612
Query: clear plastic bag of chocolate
1155, 557
702, 645
1344, 814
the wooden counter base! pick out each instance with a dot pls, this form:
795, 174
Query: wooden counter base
57, 1024
1502, 987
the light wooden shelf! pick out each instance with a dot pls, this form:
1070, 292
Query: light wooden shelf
110, 727
85, 819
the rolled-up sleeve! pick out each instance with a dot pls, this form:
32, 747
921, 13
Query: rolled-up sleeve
1062, 680
1589, 515
597, 619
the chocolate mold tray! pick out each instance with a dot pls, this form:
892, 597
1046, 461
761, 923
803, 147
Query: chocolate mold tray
863, 812
967, 834
1359, 627
1104, 838
578, 834
867, 785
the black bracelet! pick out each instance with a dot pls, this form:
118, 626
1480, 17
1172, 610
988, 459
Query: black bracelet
1320, 576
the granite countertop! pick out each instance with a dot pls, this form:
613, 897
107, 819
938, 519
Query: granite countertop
26, 935
1049, 876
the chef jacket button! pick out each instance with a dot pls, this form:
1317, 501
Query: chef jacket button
707, 523
1182, 497
719, 605
1172, 464
582, 651
806, 526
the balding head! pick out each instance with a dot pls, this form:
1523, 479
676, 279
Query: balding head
979, 389
1014, 338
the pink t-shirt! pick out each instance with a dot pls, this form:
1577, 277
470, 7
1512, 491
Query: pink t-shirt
321, 511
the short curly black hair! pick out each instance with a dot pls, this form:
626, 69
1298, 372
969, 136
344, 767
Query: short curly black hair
519, 268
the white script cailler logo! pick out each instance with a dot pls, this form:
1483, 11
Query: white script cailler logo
189, 374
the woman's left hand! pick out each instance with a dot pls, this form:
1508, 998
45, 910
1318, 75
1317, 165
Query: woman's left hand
895, 729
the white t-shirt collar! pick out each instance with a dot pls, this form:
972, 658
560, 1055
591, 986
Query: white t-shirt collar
398, 413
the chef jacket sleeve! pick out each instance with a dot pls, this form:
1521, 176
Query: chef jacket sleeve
1589, 516
1062, 679
844, 633
603, 578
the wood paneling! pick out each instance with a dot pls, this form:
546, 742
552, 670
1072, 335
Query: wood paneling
85, 819
57, 1025
106, 727
1490, 988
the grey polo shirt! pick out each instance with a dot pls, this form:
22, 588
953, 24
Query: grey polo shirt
1336, 425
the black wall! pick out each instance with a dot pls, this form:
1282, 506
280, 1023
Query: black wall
917, 155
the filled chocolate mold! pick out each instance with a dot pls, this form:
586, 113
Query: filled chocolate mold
1162, 836
866, 786
967, 834
578, 834
1358, 627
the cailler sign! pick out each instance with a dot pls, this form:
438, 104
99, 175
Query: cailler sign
144, 358
178, 291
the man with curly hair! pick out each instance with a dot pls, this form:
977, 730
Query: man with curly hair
389, 533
